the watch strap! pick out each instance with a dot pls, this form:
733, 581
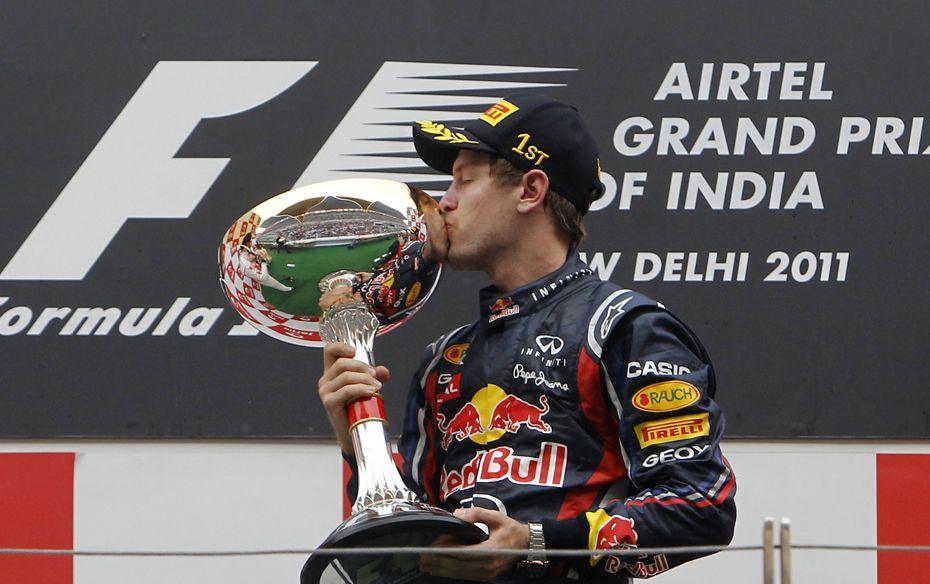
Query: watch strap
535, 565
537, 546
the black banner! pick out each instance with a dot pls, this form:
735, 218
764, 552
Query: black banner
766, 170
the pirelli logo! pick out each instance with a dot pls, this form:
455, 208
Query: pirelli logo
672, 429
497, 112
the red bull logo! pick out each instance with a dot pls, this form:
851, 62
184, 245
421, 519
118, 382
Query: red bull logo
643, 570
501, 304
490, 414
512, 412
501, 464
464, 424
503, 307
607, 532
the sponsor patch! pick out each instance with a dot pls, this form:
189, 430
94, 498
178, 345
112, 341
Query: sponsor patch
413, 295
501, 464
503, 307
497, 112
672, 429
670, 455
637, 369
641, 569
550, 344
451, 385
455, 354
613, 313
666, 396
537, 378
607, 532
490, 414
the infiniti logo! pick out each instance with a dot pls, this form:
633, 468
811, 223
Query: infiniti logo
549, 344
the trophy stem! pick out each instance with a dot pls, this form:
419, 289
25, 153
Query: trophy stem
354, 324
379, 480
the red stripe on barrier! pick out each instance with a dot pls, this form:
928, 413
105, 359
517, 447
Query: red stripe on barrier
903, 505
37, 511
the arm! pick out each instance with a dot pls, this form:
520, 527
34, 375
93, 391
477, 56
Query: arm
681, 488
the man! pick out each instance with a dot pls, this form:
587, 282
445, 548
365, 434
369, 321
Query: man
572, 414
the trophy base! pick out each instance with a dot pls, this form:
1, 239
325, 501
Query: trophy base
393, 524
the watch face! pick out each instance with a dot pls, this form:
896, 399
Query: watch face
532, 569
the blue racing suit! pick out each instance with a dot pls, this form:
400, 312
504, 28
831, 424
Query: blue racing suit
582, 406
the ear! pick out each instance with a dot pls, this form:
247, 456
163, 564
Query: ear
535, 185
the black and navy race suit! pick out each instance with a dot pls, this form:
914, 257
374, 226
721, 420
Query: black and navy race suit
582, 406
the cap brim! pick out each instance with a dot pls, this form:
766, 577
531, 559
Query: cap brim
438, 145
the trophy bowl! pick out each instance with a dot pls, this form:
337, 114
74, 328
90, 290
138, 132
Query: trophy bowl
343, 261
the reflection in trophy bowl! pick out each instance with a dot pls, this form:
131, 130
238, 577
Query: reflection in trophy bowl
342, 261
323, 245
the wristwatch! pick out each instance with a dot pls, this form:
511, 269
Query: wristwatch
535, 565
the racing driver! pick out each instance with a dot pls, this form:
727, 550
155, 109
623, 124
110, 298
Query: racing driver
573, 413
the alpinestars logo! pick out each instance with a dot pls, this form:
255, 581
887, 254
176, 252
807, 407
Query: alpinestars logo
132, 172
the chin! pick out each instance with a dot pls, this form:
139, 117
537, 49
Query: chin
464, 262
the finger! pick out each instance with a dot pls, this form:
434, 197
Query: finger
347, 385
382, 374
489, 517
338, 401
347, 365
350, 375
334, 351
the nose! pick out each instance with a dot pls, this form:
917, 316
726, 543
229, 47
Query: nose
448, 201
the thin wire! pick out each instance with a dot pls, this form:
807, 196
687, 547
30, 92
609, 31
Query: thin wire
460, 551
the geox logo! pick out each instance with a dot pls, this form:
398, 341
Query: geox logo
133, 173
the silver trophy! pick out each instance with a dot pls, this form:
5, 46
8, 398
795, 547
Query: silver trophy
342, 261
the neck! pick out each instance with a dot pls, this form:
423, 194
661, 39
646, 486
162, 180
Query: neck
525, 265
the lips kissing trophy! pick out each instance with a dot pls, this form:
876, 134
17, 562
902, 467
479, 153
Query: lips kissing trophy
342, 261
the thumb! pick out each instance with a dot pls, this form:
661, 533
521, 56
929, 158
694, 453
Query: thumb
480, 515
382, 373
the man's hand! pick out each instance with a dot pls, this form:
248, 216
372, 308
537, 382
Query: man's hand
345, 380
436, 249
503, 533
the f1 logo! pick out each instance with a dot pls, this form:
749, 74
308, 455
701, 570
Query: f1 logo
132, 171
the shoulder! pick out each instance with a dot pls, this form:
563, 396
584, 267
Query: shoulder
452, 345
611, 307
